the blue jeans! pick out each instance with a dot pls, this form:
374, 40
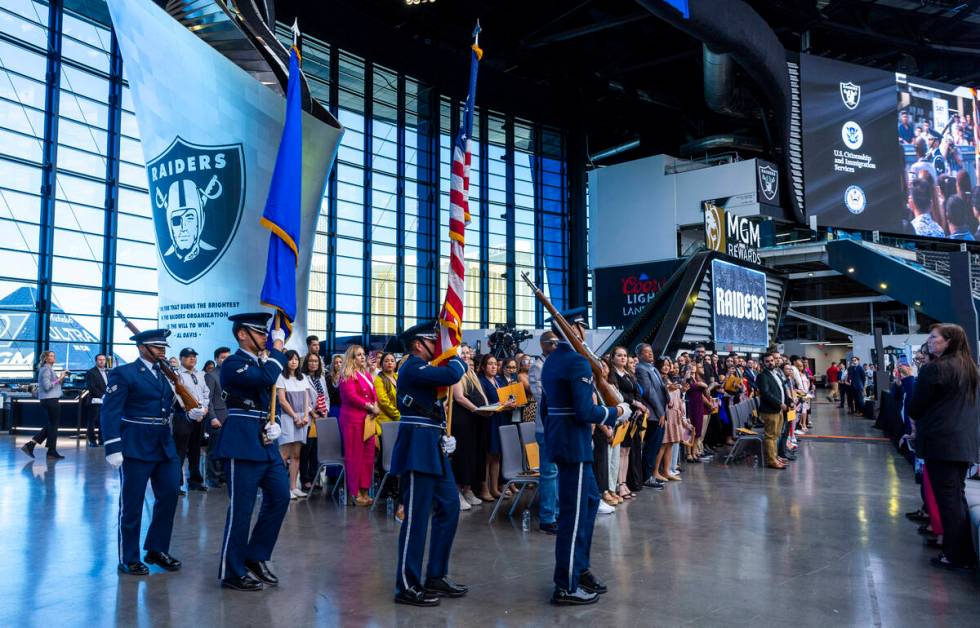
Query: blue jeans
548, 485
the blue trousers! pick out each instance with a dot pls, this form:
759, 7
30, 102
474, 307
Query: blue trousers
548, 484
244, 478
578, 504
652, 441
133, 476
424, 494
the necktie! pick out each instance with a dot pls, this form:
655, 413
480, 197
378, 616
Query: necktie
158, 373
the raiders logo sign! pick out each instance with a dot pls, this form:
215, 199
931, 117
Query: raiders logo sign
850, 94
768, 181
197, 193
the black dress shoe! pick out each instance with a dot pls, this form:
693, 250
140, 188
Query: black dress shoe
416, 597
260, 570
549, 528
92, 443
579, 597
197, 487
28, 448
162, 559
181, 491
918, 515
55, 455
243, 583
444, 587
134, 569
591, 584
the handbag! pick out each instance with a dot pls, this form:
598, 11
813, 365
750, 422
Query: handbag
370, 427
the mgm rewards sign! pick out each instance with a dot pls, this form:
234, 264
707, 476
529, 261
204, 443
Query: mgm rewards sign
728, 233
210, 127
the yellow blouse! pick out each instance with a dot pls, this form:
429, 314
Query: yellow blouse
387, 402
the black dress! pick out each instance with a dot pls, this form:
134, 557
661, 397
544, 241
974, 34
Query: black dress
469, 460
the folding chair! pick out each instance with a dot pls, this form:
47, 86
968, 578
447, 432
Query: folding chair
743, 411
389, 434
512, 467
329, 450
528, 442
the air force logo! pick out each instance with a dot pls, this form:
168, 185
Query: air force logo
768, 181
850, 94
197, 193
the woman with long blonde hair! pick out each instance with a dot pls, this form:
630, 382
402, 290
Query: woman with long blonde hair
359, 404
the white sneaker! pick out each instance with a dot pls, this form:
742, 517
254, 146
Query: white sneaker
463, 504
297, 494
471, 498
605, 509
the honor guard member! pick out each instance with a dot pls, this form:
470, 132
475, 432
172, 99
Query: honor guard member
421, 458
247, 445
136, 414
568, 412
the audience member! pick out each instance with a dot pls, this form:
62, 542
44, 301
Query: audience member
469, 430
293, 391
96, 379
188, 430
214, 472
548, 485
309, 461
49, 392
359, 408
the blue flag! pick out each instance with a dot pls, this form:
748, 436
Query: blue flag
282, 208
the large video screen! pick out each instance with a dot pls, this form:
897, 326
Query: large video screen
887, 152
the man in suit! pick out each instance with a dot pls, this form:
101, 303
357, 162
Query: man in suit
655, 397
96, 380
569, 414
247, 444
217, 413
856, 379
136, 414
421, 458
548, 486
772, 404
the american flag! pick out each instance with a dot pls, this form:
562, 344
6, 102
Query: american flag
451, 316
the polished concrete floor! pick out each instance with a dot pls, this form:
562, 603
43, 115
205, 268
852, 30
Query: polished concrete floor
822, 544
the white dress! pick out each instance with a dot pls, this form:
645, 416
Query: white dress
298, 396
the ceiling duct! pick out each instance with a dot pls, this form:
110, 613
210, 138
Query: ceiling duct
735, 28
720, 93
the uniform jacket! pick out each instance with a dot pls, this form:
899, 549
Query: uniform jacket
245, 378
568, 409
95, 384
133, 396
422, 422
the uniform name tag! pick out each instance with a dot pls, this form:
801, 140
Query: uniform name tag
587, 380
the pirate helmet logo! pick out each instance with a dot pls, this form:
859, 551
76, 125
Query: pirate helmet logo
198, 193
850, 94
768, 181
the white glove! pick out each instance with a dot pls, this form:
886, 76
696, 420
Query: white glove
96, 400
627, 413
273, 431
448, 444
115, 460
278, 334
196, 414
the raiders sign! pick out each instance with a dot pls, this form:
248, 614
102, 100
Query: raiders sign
850, 94
768, 180
197, 193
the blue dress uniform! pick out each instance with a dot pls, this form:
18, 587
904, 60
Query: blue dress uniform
426, 476
247, 383
136, 413
568, 413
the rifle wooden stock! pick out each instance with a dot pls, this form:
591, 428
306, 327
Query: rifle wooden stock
610, 396
187, 399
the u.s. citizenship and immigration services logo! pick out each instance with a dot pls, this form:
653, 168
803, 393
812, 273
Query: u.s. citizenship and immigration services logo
854, 199
768, 181
197, 193
850, 94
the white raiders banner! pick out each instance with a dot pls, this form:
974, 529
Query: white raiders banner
210, 134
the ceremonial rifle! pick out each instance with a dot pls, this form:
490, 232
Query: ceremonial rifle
186, 397
610, 396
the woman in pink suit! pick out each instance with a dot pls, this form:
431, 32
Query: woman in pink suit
358, 401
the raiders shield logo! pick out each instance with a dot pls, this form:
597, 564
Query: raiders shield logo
768, 181
197, 193
850, 94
